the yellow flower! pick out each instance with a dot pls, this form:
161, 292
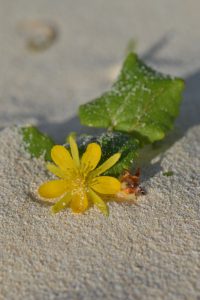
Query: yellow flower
79, 184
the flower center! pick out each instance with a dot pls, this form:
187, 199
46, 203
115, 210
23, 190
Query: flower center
79, 185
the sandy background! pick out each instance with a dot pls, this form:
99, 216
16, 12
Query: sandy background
149, 251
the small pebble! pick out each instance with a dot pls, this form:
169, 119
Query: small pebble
38, 35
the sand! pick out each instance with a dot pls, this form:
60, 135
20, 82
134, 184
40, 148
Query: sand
144, 251
149, 250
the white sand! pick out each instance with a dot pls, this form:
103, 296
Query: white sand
149, 251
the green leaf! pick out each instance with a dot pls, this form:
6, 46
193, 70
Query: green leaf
141, 101
168, 173
36, 142
111, 143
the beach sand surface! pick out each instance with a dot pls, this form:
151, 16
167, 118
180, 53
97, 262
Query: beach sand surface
144, 251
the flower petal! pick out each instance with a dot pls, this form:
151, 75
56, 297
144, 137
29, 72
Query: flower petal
56, 170
79, 203
62, 203
105, 185
53, 189
74, 150
62, 158
106, 165
98, 202
90, 158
